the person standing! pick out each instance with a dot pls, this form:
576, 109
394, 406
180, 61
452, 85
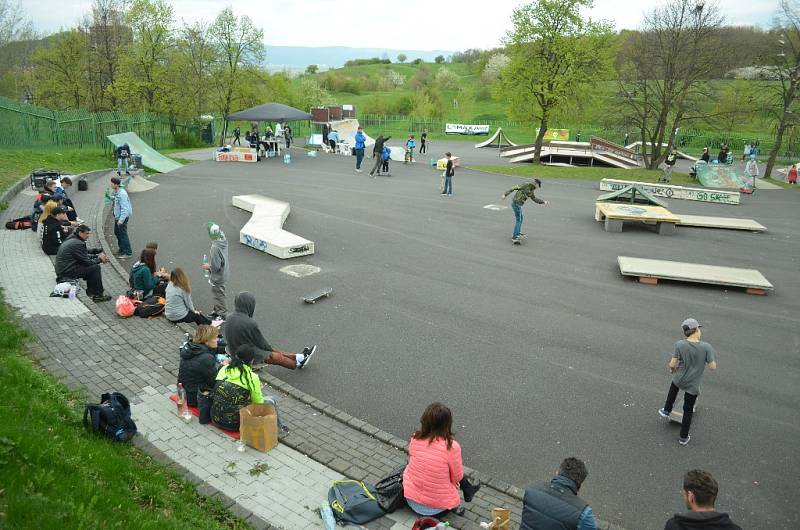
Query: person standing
672, 157
688, 363
287, 134
556, 504
700, 494
410, 145
705, 157
219, 269
449, 171
361, 143
792, 177
751, 170
237, 132
746, 151
122, 214
333, 139
377, 152
325, 131
123, 153
523, 192
423, 142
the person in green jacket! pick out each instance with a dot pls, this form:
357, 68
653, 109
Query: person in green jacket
145, 276
523, 193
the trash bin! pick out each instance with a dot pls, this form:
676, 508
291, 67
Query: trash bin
136, 161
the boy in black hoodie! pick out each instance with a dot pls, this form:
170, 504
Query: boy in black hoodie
700, 493
241, 328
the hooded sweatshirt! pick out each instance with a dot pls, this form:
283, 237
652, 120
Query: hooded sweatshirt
197, 369
701, 521
240, 328
218, 260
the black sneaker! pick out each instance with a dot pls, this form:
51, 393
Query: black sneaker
685, 441
664, 413
308, 352
101, 298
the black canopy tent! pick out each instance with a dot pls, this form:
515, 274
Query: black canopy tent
267, 112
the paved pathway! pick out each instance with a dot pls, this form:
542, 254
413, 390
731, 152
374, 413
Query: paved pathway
88, 346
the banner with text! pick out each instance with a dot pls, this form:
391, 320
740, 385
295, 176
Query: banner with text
675, 192
459, 128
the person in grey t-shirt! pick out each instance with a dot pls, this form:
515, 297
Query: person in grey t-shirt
687, 366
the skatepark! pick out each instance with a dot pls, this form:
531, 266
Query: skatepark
542, 350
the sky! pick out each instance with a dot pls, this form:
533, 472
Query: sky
395, 24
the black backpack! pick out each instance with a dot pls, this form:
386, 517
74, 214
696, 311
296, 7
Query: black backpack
151, 306
354, 502
112, 417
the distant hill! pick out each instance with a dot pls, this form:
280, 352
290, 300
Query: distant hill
298, 57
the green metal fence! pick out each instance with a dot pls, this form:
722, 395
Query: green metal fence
23, 125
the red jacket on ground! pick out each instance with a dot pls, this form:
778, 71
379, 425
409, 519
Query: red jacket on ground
433, 472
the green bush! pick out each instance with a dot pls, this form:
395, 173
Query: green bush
188, 139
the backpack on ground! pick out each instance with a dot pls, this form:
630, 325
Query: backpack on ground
151, 306
390, 491
112, 417
354, 502
21, 223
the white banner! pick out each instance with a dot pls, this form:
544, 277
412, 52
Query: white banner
458, 128
675, 192
237, 154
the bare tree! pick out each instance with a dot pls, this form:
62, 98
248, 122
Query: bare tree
109, 35
14, 24
784, 93
665, 71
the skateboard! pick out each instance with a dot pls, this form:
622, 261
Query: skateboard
677, 411
316, 295
519, 241
441, 185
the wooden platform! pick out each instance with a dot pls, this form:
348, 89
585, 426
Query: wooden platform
730, 223
652, 270
615, 213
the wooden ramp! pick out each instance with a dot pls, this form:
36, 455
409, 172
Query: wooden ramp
730, 223
614, 214
652, 270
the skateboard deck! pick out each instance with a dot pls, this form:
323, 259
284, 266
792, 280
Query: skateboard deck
316, 295
677, 411
441, 185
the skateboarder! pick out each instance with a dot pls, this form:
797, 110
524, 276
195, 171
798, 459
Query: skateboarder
523, 193
668, 163
688, 364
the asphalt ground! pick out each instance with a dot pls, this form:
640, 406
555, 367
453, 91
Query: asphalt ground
542, 350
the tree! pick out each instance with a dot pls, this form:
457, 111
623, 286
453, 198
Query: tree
108, 37
143, 78
312, 69
446, 79
402, 57
663, 75
556, 57
784, 94
439, 59
239, 46
16, 45
190, 64
60, 78
14, 24
494, 65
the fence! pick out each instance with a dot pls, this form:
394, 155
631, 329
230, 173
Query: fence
23, 125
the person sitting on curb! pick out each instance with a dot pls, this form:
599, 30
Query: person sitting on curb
66, 184
199, 367
145, 276
74, 261
700, 493
179, 306
55, 230
241, 328
556, 504
237, 386
151, 245
42, 198
435, 470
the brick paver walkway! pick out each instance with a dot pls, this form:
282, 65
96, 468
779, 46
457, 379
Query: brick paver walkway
88, 346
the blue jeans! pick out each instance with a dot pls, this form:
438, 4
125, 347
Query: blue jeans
119, 164
121, 231
518, 216
448, 185
359, 157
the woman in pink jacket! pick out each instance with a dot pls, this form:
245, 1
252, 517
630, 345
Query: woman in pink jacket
435, 471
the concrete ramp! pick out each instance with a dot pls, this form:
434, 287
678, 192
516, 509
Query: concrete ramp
264, 231
347, 132
498, 139
150, 157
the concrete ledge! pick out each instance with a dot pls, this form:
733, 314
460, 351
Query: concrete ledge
264, 231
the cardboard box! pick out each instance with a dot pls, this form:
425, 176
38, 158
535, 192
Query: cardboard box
258, 426
441, 164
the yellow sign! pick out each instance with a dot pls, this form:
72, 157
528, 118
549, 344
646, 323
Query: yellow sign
561, 135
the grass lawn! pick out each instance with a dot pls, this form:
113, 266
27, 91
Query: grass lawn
586, 173
54, 474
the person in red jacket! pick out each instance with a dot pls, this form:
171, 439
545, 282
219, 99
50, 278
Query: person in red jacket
435, 471
793, 174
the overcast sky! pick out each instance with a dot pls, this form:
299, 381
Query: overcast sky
404, 24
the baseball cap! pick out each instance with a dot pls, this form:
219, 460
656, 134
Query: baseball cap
59, 209
690, 323
83, 228
58, 196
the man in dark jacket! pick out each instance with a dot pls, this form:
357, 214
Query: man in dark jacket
240, 329
700, 493
74, 261
377, 151
522, 192
556, 505
55, 230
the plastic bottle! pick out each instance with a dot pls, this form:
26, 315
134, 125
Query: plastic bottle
287, 158
327, 516
183, 408
205, 262
73, 292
